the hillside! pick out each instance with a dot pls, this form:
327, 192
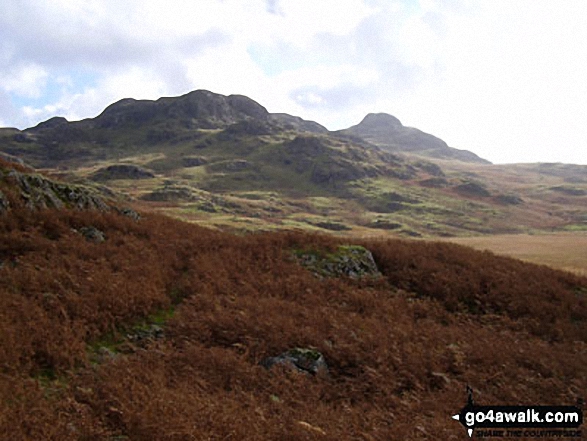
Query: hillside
159, 329
225, 162
387, 132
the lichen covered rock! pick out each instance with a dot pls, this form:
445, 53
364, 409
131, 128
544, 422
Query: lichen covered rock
352, 261
92, 234
39, 192
305, 360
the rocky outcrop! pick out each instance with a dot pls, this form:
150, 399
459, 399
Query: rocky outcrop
122, 171
194, 161
352, 261
39, 192
92, 234
129, 212
304, 360
203, 108
387, 132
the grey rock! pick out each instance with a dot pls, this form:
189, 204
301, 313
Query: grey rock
129, 212
92, 234
149, 333
39, 192
304, 360
194, 161
349, 261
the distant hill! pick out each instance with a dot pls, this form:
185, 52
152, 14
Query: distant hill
226, 161
387, 132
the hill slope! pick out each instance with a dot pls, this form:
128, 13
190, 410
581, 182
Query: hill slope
225, 161
160, 332
387, 132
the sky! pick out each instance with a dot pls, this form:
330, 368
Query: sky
505, 79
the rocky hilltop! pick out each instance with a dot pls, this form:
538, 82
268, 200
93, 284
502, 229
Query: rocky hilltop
387, 132
131, 126
227, 161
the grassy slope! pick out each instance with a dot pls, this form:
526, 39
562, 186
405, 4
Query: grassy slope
551, 197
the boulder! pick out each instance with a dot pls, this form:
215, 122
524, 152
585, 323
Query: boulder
352, 261
129, 212
92, 234
143, 336
304, 360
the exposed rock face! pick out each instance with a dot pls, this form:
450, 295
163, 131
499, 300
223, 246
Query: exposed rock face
92, 234
304, 360
39, 192
122, 171
348, 261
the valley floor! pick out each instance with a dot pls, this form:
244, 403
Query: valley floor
564, 251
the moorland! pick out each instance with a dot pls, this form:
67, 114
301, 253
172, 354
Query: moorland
152, 259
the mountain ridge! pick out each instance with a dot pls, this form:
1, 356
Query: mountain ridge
227, 161
202, 109
387, 132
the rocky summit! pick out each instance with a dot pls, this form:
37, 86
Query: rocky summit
387, 132
226, 161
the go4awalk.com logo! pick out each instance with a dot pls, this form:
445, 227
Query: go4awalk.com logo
520, 421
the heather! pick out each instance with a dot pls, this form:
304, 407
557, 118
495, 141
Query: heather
400, 348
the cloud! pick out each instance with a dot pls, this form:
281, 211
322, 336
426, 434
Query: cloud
8, 114
272, 7
26, 80
504, 79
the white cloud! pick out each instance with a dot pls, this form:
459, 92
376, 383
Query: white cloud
504, 79
25, 80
